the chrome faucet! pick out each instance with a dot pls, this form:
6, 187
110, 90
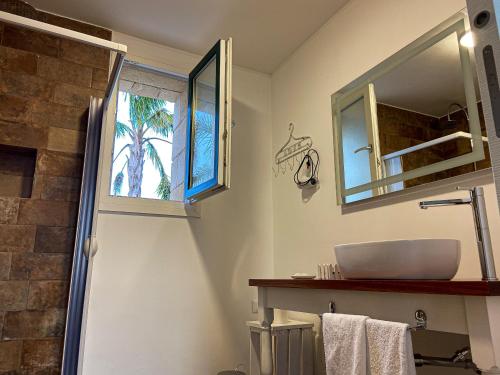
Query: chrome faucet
476, 201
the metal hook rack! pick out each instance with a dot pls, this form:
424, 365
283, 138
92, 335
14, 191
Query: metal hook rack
293, 149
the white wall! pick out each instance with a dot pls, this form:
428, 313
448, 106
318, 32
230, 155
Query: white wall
358, 37
169, 295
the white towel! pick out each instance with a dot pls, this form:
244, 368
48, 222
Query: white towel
344, 338
390, 351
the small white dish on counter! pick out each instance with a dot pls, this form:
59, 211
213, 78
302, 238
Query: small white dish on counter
303, 276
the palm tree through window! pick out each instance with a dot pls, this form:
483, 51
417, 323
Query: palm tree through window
149, 136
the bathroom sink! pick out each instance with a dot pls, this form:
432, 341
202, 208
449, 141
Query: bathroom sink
431, 259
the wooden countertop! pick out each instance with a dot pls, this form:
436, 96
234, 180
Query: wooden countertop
452, 287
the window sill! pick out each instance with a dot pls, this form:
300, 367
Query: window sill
152, 207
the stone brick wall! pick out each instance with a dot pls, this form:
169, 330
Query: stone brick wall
462, 146
45, 86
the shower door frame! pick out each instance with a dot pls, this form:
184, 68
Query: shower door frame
85, 247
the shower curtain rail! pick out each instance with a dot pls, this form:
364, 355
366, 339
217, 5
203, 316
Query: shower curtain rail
119, 49
43, 27
434, 142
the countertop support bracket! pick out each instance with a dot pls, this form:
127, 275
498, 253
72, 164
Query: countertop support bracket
266, 317
484, 332
476, 316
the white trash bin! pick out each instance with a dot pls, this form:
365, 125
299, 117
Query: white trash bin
293, 344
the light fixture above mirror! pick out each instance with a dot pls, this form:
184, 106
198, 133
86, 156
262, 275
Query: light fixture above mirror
467, 40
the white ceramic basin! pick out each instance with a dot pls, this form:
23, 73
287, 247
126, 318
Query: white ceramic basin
432, 259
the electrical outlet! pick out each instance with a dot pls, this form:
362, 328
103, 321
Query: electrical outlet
255, 306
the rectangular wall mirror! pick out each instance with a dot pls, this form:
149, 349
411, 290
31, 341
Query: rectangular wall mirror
414, 119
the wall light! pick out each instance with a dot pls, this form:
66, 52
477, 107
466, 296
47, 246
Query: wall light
467, 40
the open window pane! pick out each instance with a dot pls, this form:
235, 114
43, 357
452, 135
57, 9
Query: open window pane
360, 151
355, 148
209, 118
204, 123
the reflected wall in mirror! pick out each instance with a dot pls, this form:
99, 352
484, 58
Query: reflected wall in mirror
414, 119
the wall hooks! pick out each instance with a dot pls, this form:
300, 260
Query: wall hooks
293, 150
332, 309
421, 320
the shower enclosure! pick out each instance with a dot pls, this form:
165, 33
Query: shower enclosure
85, 246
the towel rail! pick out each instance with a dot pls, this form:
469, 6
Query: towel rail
420, 317
461, 358
331, 309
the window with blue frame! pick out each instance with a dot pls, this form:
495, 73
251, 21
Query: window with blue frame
208, 133
172, 136
204, 125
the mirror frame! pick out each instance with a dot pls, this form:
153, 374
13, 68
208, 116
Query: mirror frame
455, 24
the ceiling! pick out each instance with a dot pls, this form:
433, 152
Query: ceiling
264, 32
427, 83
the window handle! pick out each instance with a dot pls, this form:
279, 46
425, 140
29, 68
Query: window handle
368, 148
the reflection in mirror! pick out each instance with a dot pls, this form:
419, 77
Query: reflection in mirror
360, 154
355, 140
414, 119
423, 102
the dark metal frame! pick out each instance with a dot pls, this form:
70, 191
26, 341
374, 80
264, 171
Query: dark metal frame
191, 192
76, 300
86, 220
